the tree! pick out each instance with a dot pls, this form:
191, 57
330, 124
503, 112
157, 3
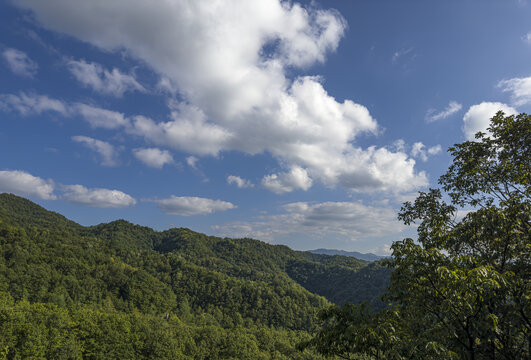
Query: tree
462, 290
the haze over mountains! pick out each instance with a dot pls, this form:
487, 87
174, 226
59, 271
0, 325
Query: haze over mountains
356, 254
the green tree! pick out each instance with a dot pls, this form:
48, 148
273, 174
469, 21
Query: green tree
462, 290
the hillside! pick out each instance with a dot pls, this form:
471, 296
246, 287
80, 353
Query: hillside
134, 276
356, 254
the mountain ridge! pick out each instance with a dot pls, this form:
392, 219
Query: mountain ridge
361, 256
119, 269
227, 255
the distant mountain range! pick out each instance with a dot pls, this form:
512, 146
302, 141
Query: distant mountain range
355, 254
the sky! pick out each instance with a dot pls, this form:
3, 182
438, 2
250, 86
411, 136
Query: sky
299, 123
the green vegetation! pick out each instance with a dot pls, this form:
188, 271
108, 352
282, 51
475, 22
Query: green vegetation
463, 290
124, 291
48, 331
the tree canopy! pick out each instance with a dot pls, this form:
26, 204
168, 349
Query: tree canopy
123, 291
462, 290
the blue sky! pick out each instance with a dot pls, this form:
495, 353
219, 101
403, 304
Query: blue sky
298, 123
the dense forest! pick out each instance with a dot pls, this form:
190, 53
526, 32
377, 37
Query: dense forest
120, 290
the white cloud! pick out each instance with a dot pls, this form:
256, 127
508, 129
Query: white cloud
434, 150
30, 104
477, 118
192, 161
461, 213
321, 144
378, 170
351, 221
98, 117
520, 89
153, 157
527, 37
102, 198
451, 109
229, 62
188, 131
102, 80
281, 183
107, 152
418, 150
239, 182
166, 85
24, 184
33, 104
191, 205
384, 250
398, 145
19, 62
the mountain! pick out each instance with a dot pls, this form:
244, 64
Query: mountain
128, 290
22, 212
357, 255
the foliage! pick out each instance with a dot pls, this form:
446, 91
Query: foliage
463, 290
47, 331
18, 211
340, 283
120, 290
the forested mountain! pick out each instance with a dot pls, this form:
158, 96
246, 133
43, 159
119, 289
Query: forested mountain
356, 254
126, 291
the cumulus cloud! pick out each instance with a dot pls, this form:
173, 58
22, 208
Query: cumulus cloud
102, 198
477, 118
188, 130
230, 62
451, 109
153, 157
191, 205
24, 184
418, 150
351, 221
102, 80
109, 155
239, 182
520, 89
19, 62
379, 170
32, 104
527, 37
296, 178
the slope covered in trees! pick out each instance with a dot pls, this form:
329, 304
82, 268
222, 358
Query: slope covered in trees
126, 291
357, 255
